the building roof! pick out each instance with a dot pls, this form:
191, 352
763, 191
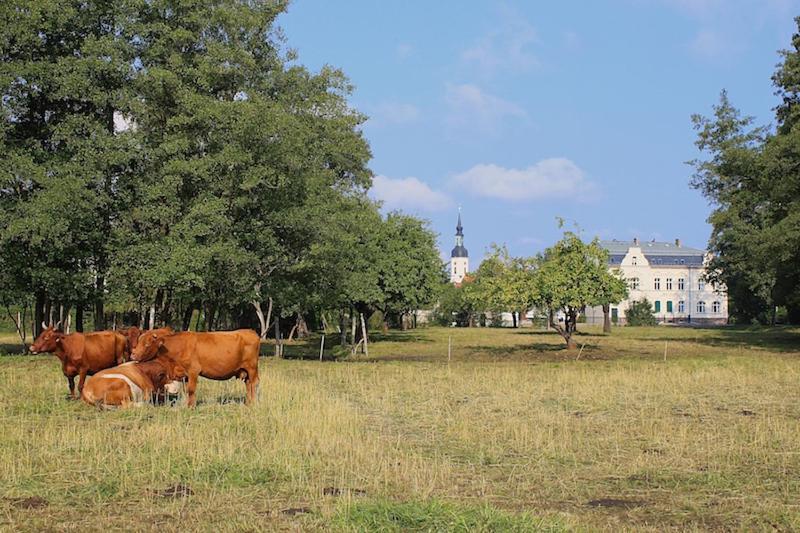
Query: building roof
459, 251
656, 253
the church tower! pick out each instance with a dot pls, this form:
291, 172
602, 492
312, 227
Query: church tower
459, 258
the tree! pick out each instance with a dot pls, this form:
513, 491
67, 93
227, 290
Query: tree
574, 275
750, 176
640, 313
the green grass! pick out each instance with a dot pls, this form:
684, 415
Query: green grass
514, 433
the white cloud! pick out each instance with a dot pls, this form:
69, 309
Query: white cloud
506, 47
394, 113
549, 178
408, 194
470, 106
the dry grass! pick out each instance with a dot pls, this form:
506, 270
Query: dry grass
514, 434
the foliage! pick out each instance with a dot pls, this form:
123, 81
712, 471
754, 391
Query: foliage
750, 176
240, 179
640, 313
572, 276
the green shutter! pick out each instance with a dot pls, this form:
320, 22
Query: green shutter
658, 306
669, 307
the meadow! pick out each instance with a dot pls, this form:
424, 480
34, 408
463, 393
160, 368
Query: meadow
644, 429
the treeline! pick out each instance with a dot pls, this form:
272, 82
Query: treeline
162, 160
751, 174
560, 284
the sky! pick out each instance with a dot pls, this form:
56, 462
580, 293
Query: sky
521, 112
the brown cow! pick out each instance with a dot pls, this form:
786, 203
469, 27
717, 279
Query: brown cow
132, 337
219, 355
81, 354
131, 383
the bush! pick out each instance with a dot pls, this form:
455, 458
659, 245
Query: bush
640, 313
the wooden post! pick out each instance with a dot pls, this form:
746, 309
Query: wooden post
278, 352
449, 348
581, 351
364, 334
321, 346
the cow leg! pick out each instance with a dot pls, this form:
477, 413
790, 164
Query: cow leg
82, 379
71, 381
251, 381
191, 387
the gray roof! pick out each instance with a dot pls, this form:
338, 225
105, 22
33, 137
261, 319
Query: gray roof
459, 251
657, 253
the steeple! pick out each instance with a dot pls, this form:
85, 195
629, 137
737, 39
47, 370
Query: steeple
459, 250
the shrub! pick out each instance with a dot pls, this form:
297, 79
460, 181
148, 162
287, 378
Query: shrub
640, 313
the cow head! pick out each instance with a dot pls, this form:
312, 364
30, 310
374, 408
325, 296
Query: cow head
149, 343
132, 335
48, 340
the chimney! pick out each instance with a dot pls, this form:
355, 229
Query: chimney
636, 241
678, 243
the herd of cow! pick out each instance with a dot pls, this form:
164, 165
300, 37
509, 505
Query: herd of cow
131, 366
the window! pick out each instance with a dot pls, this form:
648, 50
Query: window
633, 260
669, 284
634, 283
701, 307
716, 307
680, 284
657, 284
658, 306
669, 306
701, 285
681, 306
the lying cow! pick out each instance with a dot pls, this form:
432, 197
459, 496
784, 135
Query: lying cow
81, 354
132, 384
219, 355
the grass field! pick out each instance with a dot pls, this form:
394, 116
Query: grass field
514, 434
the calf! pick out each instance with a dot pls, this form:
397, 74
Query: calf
131, 383
81, 354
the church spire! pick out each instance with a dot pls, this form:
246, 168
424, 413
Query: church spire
459, 250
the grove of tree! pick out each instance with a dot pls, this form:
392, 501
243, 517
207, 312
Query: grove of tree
162, 160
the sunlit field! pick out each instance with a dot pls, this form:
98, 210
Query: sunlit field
647, 429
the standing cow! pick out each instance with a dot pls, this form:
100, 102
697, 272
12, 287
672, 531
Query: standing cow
81, 354
219, 355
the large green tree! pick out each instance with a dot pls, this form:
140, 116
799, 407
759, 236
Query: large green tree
750, 175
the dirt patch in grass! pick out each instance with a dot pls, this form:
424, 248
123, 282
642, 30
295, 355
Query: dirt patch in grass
337, 491
615, 503
179, 490
31, 502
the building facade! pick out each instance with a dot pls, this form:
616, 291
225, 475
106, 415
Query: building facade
671, 277
459, 257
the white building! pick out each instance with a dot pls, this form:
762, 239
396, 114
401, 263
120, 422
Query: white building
459, 257
670, 276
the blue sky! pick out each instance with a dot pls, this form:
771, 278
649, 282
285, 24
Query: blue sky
522, 112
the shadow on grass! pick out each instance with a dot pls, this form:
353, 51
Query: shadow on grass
778, 339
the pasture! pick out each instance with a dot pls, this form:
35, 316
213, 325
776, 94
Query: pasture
513, 434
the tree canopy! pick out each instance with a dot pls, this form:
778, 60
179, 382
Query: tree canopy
750, 174
172, 159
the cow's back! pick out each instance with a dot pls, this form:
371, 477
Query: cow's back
117, 386
103, 349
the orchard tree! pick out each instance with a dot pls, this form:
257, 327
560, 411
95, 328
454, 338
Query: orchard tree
573, 275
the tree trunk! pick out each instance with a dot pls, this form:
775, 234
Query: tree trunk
513, 319
302, 327
262, 325
278, 346
38, 314
606, 318
79, 317
187, 316
342, 329
99, 304
152, 320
